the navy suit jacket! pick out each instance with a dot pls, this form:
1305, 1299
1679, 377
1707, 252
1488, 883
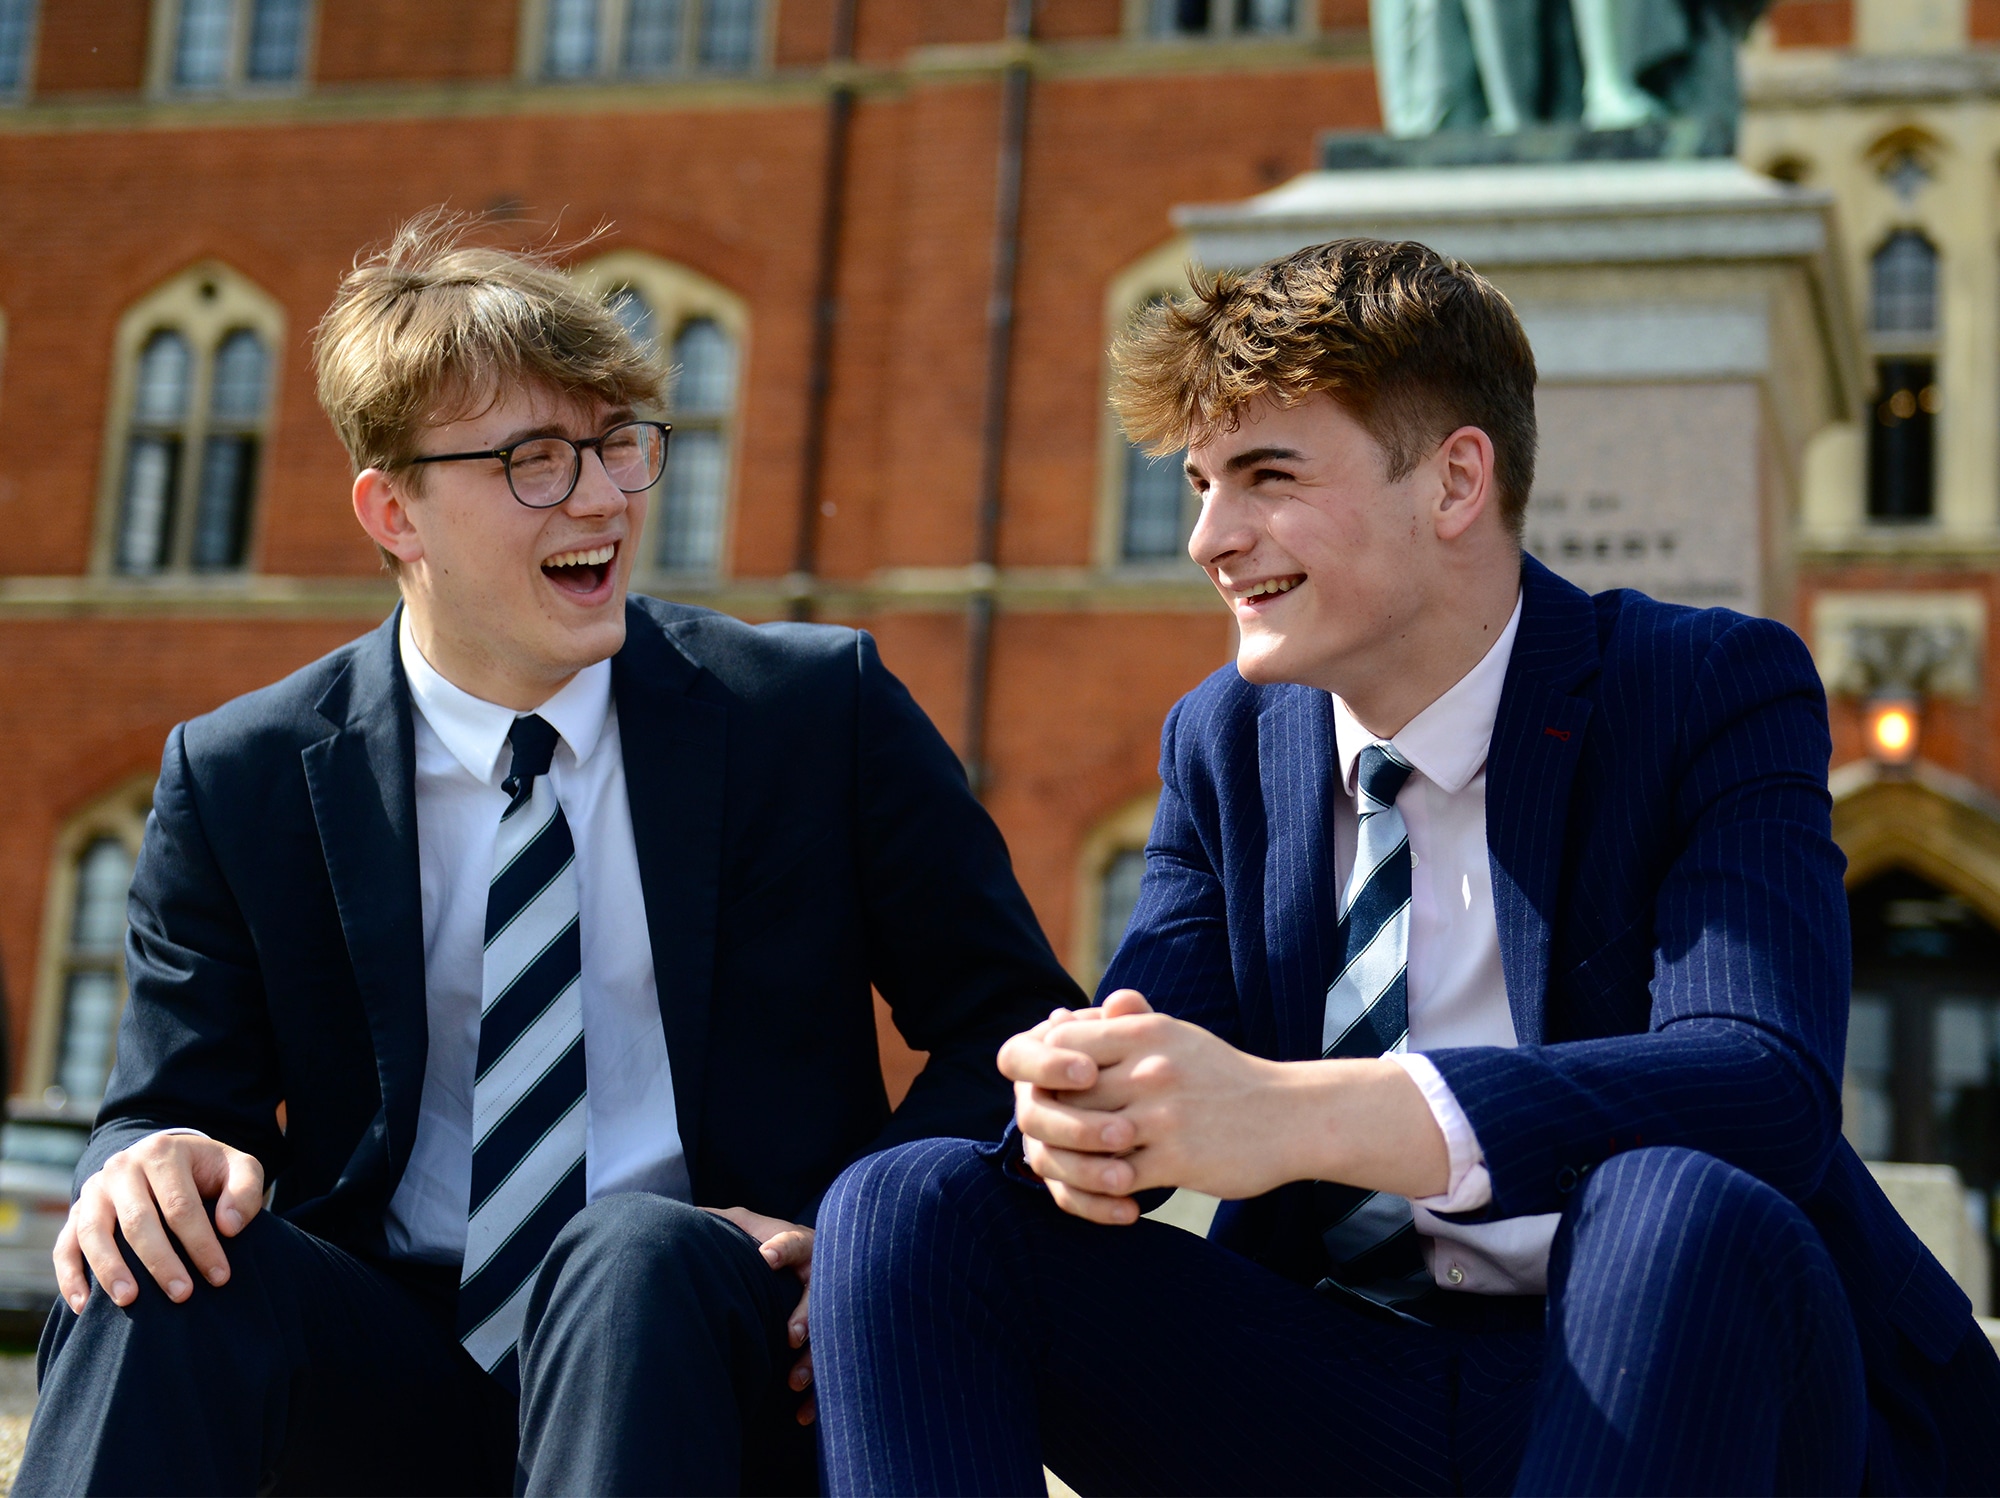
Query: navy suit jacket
1673, 931
803, 833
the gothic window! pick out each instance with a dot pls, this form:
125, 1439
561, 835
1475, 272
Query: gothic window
17, 34
218, 44
1903, 318
188, 433
698, 328
1109, 873
697, 478
648, 38
1159, 508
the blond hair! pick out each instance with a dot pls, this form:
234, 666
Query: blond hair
430, 329
1412, 344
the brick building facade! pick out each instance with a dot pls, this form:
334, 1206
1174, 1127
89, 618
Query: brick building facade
813, 193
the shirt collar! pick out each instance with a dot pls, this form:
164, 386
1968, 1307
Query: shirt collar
475, 730
1447, 741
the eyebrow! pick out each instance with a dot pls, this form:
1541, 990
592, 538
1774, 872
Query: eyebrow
1255, 456
554, 429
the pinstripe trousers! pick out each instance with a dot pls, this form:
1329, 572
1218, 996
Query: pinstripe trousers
1695, 1340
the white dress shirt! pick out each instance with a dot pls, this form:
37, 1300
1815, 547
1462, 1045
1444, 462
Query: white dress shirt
1457, 993
633, 1140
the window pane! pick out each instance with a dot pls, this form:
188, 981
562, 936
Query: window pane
632, 309
1119, 898
152, 471
1902, 440
222, 502
16, 18
90, 1016
706, 358
201, 50
1868, 1112
238, 396
570, 46
1178, 17
691, 502
729, 34
1156, 492
653, 35
103, 875
1265, 16
276, 29
161, 391
1905, 276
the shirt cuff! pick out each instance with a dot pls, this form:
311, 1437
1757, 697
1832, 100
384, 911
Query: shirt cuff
1468, 1187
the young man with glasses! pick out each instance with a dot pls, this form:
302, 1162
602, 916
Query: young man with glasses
495, 946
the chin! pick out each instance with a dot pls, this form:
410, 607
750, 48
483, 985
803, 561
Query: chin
1261, 662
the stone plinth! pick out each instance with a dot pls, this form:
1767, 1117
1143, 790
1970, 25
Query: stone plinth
1690, 326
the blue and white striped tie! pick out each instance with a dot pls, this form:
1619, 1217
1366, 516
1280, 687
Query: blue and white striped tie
528, 1090
1371, 1242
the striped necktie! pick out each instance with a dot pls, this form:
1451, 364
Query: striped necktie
528, 1089
1371, 1242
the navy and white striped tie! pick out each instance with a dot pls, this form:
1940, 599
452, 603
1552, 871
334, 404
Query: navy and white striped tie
528, 1089
1371, 1242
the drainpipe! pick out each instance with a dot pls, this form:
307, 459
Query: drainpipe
826, 312
999, 353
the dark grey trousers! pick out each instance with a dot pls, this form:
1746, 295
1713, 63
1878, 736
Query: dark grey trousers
654, 1361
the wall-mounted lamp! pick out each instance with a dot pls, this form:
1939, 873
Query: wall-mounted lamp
1894, 723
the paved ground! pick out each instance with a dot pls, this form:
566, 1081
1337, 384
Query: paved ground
17, 1402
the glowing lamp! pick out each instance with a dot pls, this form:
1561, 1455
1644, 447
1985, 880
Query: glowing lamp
1893, 725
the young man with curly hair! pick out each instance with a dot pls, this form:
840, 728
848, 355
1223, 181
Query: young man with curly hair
1491, 965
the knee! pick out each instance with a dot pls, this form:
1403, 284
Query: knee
637, 1241
896, 1209
256, 1258
1688, 1211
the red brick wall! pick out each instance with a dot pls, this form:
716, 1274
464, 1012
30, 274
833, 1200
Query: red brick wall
369, 41
91, 46
1818, 23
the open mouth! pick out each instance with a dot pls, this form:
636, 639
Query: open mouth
1264, 594
583, 572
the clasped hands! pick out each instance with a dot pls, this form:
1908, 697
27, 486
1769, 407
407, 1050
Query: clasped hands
1120, 1099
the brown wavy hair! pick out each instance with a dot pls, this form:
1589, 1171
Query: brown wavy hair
1411, 343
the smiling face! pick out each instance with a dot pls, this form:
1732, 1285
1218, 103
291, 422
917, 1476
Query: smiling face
505, 601
1341, 577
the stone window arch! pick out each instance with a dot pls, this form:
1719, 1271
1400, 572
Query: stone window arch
80, 988
193, 387
1109, 867
701, 331
1146, 508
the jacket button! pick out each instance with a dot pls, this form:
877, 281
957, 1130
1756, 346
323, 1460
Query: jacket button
1455, 1275
1566, 1180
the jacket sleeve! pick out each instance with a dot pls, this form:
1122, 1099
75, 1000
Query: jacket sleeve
1749, 964
1176, 949
953, 946
194, 1045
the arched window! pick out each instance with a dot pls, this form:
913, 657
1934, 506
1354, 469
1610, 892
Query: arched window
646, 38
196, 361
699, 328
1109, 870
1902, 438
1904, 277
697, 478
221, 43
82, 991
1159, 508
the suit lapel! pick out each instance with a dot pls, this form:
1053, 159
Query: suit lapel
362, 780
1297, 765
673, 745
1537, 743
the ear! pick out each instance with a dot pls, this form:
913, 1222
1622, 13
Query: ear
384, 514
1466, 469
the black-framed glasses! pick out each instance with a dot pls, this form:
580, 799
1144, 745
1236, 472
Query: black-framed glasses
543, 471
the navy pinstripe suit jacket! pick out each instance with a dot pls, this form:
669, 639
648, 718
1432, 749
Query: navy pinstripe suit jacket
1673, 929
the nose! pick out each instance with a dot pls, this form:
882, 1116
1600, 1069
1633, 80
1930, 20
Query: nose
594, 493
1222, 530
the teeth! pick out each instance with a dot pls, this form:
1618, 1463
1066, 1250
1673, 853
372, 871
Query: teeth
595, 556
1273, 585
